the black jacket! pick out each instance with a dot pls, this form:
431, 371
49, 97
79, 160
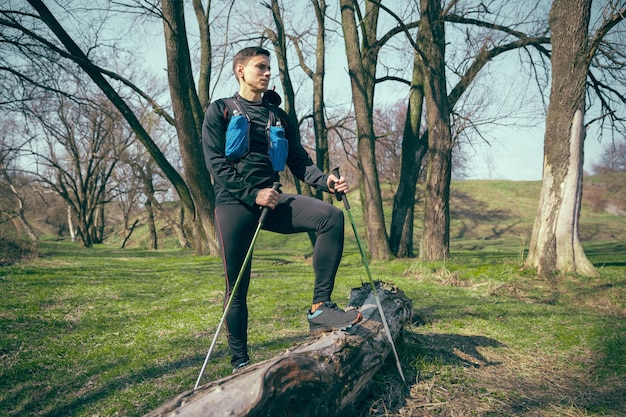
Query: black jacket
240, 182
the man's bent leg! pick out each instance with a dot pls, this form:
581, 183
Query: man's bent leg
298, 213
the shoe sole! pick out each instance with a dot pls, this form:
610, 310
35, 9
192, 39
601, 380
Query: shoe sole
320, 330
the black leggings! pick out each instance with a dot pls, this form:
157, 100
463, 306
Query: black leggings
294, 213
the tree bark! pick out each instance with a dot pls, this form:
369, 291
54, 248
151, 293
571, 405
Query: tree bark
435, 244
206, 53
325, 376
362, 60
188, 114
154, 242
413, 150
70, 224
555, 244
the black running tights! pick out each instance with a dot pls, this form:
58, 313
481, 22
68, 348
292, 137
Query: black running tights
294, 213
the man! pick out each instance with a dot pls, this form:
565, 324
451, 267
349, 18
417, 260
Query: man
243, 188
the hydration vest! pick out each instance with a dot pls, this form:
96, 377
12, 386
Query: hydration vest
238, 134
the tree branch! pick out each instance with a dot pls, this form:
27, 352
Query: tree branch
606, 26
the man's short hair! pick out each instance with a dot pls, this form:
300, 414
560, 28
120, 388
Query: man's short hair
245, 54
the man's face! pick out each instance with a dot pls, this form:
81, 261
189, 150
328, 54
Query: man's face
255, 73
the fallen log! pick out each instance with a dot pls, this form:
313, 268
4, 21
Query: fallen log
323, 376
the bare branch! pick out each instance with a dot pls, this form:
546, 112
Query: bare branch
606, 26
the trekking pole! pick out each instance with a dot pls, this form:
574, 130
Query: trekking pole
342, 197
264, 214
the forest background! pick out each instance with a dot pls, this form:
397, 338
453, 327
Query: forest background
51, 73
101, 107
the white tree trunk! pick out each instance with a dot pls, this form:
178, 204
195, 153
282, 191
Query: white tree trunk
70, 224
555, 243
570, 256
555, 233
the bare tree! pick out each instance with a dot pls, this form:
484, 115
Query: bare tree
360, 30
613, 158
435, 244
80, 148
13, 181
127, 192
555, 244
414, 146
316, 72
429, 81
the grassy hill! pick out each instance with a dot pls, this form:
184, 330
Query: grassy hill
485, 215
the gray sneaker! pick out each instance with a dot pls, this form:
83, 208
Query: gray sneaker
329, 317
240, 367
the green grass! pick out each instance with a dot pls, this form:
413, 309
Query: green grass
106, 332
103, 331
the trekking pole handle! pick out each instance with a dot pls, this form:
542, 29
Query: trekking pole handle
340, 195
276, 186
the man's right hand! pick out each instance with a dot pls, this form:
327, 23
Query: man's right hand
267, 197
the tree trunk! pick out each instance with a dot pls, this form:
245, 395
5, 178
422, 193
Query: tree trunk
362, 69
435, 244
206, 53
70, 224
188, 114
555, 244
325, 376
129, 233
179, 227
413, 150
322, 158
20, 211
154, 242
99, 224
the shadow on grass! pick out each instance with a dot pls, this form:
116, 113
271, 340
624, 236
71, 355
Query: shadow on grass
78, 395
423, 356
452, 349
455, 374
607, 254
471, 213
71, 249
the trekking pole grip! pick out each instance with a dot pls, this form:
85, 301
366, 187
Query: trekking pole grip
340, 195
276, 186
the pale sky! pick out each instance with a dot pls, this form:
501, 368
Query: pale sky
521, 156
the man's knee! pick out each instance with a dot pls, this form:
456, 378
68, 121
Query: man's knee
334, 219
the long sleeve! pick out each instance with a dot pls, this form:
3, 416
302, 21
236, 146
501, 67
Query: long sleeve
301, 164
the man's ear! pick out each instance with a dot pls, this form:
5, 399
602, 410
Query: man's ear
239, 71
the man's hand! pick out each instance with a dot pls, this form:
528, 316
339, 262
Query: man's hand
337, 185
267, 197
